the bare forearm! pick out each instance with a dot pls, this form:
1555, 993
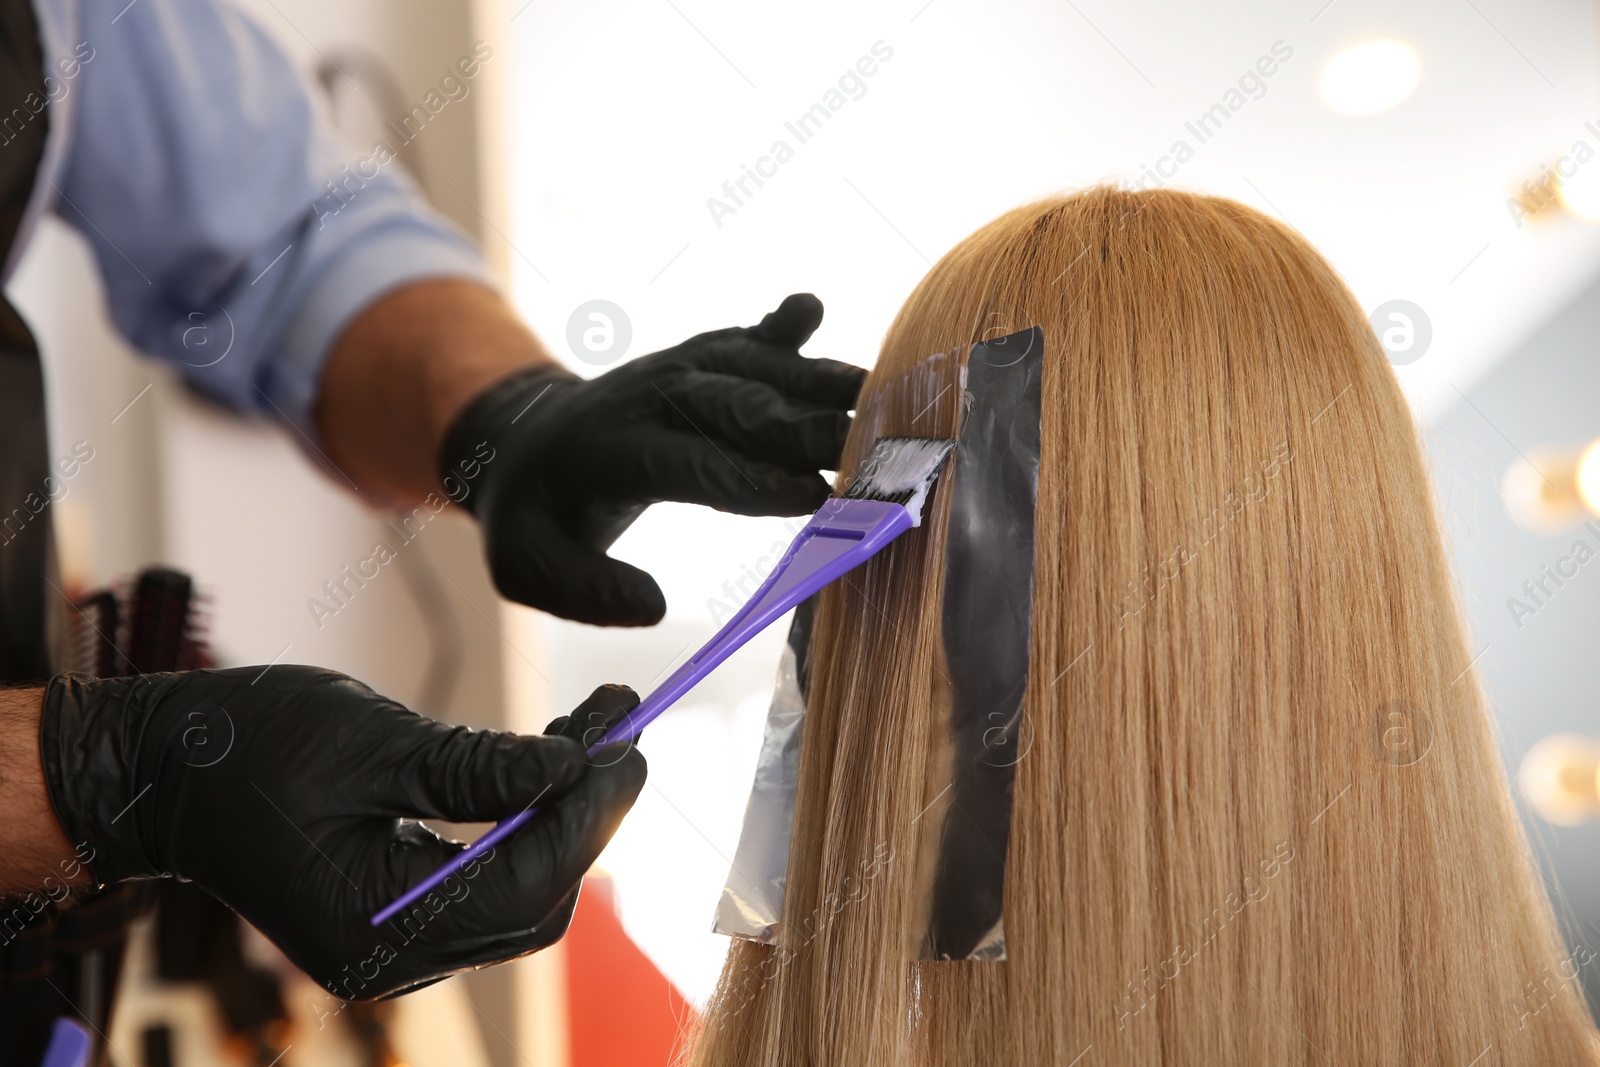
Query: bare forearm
35, 855
402, 371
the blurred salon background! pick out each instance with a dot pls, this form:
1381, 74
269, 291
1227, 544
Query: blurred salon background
620, 163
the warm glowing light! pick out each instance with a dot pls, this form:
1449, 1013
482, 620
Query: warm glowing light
1579, 191
1541, 489
1558, 777
1587, 477
1367, 78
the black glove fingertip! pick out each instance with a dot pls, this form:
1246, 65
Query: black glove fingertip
632, 599
611, 700
608, 705
794, 321
597, 589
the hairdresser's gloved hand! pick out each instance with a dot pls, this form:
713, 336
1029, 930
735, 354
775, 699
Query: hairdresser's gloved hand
557, 467
287, 794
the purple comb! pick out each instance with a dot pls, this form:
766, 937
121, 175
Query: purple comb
884, 501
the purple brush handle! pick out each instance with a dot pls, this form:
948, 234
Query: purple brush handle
839, 538
70, 1045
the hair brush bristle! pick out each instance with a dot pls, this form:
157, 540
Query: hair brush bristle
900, 470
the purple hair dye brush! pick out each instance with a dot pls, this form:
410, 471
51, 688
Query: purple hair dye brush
884, 501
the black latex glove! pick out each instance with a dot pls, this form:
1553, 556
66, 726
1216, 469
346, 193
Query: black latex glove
283, 794
556, 467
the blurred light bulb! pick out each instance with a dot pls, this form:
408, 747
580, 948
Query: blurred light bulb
1580, 192
1541, 490
1559, 778
1367, 78
1587, 477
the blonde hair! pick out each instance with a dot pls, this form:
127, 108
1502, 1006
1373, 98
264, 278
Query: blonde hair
1259, 818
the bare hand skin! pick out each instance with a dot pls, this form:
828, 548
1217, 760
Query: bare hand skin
33, 847
404, 368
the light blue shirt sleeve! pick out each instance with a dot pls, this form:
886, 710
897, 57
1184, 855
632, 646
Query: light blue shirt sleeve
236, 235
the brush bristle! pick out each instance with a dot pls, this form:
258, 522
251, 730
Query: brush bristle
901, 470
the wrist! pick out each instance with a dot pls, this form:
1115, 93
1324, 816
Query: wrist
403, 371
36, 854
475, 438
88, 728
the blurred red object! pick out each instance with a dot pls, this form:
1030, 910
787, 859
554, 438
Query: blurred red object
624, 1011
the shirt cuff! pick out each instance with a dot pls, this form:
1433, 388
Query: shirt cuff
347, 285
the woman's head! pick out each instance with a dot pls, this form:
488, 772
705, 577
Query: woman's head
1259, 817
